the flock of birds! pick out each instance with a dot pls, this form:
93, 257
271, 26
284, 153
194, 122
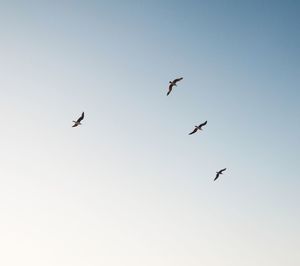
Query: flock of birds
172, 84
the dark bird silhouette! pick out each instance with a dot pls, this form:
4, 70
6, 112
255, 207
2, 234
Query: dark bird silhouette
219, 173
77, 122
198, 128
172, 84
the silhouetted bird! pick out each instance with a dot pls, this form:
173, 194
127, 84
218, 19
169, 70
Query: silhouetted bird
172, 84
77, 123
219, 173
198, 128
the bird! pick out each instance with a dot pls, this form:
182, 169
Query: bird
198, 128
172, 84
77, 122
219, 173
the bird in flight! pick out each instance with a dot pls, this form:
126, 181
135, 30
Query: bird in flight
77, 122
172, 84
198, 128
219, 173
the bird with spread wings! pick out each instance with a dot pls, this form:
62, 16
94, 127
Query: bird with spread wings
219, 173
198, 128
172, 84
77, 122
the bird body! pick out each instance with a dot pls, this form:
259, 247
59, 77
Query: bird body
198, 128
219, 173
172, 84
77, 122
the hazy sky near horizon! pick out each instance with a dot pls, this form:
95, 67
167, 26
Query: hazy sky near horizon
129, 187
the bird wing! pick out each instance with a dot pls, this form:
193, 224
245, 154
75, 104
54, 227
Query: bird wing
170, 88
176, 80
203, 124
75, 125
194, 131
222, 170
80, 118
217, 175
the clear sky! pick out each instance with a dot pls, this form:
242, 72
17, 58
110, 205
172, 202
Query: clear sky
129, 187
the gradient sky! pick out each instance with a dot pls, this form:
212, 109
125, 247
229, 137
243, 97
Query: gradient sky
130, 187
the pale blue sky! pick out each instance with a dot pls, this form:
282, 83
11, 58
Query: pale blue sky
130, 187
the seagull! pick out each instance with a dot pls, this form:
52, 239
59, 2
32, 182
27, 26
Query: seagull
198, 128
172, 84
77, 123
219, 173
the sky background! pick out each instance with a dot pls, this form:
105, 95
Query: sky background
130, 187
